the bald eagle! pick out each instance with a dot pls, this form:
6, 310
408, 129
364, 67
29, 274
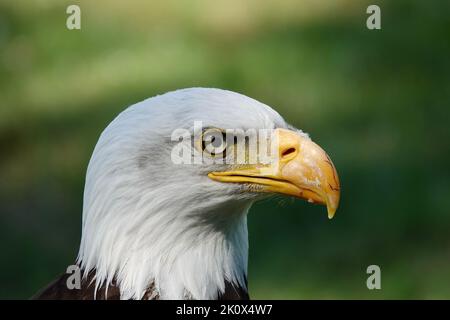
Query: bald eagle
156, 228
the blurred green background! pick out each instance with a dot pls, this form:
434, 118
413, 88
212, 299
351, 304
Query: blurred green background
377, 101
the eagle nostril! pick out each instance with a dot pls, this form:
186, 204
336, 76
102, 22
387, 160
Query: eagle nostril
288, 152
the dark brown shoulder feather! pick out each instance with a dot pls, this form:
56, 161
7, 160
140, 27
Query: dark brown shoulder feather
233, 292
58, 290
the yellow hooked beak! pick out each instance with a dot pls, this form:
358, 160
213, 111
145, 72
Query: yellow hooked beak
302, 169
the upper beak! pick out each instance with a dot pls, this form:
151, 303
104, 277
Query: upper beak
301, 169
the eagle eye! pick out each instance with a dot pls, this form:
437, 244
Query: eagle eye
214, 142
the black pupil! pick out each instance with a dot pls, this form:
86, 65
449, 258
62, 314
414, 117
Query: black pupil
217, 141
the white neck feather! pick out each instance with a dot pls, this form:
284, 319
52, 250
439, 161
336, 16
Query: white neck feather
185, 248
182, 255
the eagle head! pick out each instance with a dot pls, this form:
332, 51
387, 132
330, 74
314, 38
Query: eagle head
169, 185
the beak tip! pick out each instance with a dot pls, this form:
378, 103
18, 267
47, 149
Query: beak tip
331, 212
332, 203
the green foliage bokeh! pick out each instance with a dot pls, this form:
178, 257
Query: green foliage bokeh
377, 101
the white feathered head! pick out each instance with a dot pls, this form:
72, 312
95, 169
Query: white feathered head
162, 209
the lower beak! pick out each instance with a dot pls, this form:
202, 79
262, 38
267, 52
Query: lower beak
301, 169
